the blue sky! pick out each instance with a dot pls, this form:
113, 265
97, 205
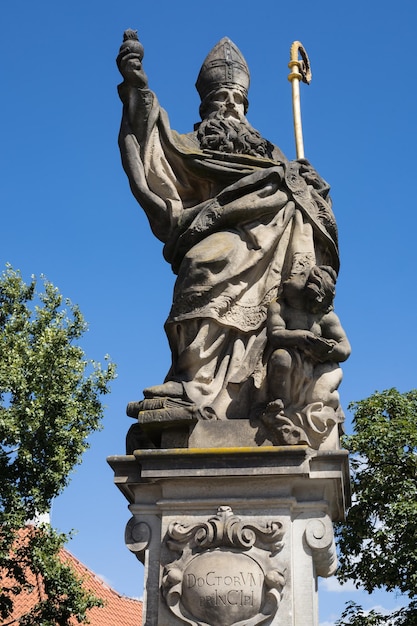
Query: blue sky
67, 210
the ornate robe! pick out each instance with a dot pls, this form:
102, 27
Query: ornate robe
234, 228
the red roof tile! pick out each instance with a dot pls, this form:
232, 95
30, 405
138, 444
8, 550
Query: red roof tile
118, 610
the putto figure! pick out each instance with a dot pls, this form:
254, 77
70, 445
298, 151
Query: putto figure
238, 221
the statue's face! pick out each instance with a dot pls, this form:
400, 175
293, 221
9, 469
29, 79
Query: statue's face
319, 288
228, 100
313, 288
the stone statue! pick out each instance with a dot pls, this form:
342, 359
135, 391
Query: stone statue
231, 529
252, 239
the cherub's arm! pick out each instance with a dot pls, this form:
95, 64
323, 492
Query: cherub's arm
282, 337
332, 330
143, 156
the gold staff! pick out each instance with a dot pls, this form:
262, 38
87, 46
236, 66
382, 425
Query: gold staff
300, 70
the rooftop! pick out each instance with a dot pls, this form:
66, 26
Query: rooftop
118, 610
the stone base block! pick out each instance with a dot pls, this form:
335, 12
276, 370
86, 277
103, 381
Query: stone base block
233, 536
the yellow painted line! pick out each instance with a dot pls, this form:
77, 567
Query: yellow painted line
278, 450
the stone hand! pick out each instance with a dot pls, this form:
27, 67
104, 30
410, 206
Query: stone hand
318, 347
129, 62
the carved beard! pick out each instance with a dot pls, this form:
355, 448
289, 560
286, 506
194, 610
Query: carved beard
228, 134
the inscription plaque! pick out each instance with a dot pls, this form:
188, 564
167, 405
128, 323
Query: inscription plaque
223, 588
227, 571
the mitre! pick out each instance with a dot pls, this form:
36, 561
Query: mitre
224, 66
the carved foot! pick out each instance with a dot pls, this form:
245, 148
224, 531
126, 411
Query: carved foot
170, 389
276, 407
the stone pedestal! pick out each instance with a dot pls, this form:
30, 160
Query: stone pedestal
233, 536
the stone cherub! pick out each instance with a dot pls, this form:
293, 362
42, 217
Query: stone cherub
237, 219
308, 342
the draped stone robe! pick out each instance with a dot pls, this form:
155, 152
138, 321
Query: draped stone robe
234, 228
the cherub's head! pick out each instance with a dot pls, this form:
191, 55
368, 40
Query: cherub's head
312, 289
320, 288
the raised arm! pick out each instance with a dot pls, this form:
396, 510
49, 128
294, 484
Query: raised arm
143, 156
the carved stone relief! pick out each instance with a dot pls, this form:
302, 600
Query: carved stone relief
137, 537
320, 539
253, 241
225, 571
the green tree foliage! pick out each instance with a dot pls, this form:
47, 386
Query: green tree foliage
49, 405
354, 615
378, 541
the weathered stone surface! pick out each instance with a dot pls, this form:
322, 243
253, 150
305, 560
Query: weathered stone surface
245, 433
226, 570
253, 241
223, 588
234, 472
233, 536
